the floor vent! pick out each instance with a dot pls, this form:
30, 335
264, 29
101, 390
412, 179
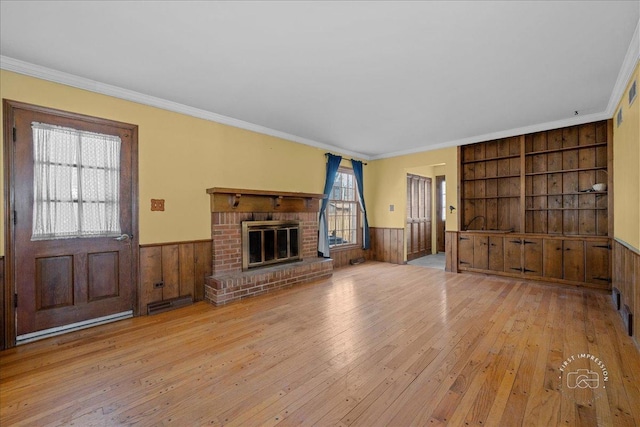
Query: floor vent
615, 296
627, 318
170, 304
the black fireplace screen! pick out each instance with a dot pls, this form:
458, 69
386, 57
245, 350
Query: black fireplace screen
270, 242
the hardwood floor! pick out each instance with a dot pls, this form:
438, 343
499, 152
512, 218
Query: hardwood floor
376, 345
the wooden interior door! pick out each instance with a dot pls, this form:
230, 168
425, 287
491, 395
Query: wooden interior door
440, 212
418, 216
62, 282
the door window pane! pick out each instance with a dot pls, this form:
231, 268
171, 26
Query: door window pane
76, 183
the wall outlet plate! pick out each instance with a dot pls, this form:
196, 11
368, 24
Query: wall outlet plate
157, 204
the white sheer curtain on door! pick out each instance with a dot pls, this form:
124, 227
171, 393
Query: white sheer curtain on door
76, 183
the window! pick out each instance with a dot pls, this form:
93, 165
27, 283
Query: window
76, 183
344, 210
443, 201
619, 118
632, 92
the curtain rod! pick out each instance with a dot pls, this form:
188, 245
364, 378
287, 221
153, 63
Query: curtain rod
326, 154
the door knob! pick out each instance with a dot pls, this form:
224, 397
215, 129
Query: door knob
122, 238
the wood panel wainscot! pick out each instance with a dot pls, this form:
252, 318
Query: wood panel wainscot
344, 257
3, 332
173, 273
387, 245
625, 292
451, 251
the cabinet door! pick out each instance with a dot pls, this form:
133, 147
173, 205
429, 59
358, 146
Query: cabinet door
465, 252
552, 258
496, 253
573, 260
512, 255
598, 270
481, 252
532, 257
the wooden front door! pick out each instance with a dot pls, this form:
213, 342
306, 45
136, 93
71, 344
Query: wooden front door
73, 280
418, 216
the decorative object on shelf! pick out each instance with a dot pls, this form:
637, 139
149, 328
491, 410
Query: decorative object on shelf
600, 186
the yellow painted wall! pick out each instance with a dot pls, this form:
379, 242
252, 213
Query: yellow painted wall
181, 156
388, 185
626, 168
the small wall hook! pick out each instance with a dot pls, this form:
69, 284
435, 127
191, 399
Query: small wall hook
451, 208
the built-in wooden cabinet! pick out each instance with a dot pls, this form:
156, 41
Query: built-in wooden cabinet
538, 205
572, 260
172, 274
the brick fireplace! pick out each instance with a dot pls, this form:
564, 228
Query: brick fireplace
230, 208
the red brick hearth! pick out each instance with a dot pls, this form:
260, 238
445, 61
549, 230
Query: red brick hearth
229, 208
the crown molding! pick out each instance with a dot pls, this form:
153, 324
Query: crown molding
577, 120
628, 66
55, 76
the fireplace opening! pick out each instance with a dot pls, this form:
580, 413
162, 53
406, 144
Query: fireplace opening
270, 242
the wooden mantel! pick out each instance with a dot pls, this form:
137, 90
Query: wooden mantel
244, 200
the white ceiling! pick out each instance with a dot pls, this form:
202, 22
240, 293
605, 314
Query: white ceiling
372, 79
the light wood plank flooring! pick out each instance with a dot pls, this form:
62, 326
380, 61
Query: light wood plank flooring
376, 345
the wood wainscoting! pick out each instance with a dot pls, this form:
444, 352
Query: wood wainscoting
3, 332
172, 270
342, 257
387, 245
626, 280
451, 251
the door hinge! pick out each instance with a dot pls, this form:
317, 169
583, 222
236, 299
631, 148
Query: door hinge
15, 218
15, 300
14, 134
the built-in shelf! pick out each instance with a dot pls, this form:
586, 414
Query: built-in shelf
575, 147
492, 177
566, 209
491, 197
574, 193
566, 171
511, 156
